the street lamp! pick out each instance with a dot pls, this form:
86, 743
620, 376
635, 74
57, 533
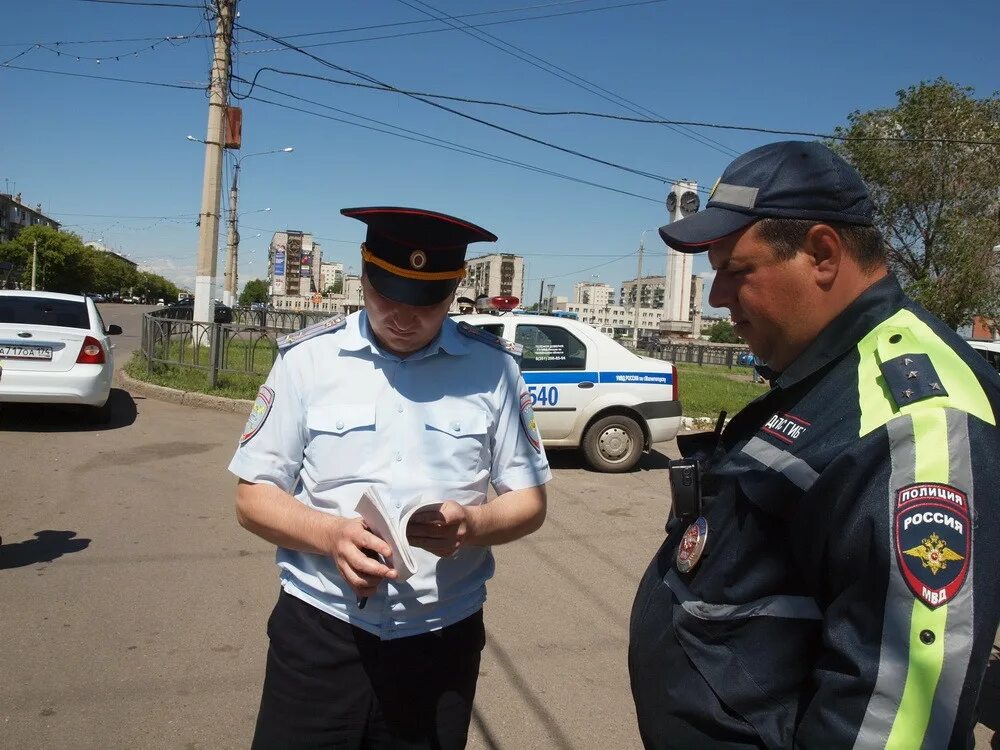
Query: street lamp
231, 288
638, 291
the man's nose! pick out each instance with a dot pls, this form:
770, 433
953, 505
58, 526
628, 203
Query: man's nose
718, 295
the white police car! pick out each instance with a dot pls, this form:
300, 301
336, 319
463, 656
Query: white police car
588, 391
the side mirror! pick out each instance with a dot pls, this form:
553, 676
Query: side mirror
114, 330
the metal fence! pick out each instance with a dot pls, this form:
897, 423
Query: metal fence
216, 348
248, 345
725, 355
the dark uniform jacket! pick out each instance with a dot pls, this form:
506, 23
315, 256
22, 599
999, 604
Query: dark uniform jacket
848, 594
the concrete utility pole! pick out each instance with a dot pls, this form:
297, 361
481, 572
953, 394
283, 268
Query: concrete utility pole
208, 235
230, 294
638, 292
34, 264
541, 293
230, 289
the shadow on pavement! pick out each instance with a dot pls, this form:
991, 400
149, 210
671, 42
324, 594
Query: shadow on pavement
568, 458
45, 547
66, 418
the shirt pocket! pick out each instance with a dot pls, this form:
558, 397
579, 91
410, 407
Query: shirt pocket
342, 441
457, 440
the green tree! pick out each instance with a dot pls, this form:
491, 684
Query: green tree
337, 287
254, 291
64, 264
152, 287
722, 332
936, 200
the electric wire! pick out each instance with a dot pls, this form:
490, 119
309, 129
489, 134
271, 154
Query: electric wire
439, 30
566, 75
446, 145
143, 3
487, 123
621, 118
161, 84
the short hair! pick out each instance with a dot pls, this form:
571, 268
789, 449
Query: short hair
785, 236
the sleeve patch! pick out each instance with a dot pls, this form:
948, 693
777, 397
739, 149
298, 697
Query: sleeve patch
933, 540
258, 414
486, 337
528, 423
911, 378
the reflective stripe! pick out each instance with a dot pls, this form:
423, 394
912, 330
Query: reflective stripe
914, 702
892, 662
735, 195
922, 673
792, 607
801, 474
923, 669
957, 640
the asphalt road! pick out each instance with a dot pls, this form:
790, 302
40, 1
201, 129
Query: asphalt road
134, 607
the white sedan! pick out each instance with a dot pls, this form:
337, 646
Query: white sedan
54, 349
588, 391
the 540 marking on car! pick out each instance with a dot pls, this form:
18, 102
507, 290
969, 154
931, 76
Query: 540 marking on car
544, 395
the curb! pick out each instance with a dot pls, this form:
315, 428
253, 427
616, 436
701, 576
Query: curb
184, 398
242, 406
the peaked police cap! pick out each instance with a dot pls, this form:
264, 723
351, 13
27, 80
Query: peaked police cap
414, 256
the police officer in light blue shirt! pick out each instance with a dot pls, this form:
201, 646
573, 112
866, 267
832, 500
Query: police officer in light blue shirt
400, 398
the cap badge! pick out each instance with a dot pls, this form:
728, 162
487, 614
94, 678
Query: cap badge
418, 259
692, 545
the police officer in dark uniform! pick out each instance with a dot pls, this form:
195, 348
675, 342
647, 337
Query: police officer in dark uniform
829, 573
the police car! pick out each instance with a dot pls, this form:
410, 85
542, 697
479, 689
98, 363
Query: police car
587, 390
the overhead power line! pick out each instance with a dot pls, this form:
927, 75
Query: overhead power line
198, 87
446, 28
560, 72
144, 3
65, 42
621, 118
509, 131
412, 135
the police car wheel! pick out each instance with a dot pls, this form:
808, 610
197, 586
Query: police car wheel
613, 444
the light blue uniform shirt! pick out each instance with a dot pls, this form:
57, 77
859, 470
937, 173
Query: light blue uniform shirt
445, 423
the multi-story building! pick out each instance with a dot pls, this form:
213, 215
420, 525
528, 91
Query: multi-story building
653, 288
15, 216
329, 274
496, 274
294, 263
615, 318
593, 293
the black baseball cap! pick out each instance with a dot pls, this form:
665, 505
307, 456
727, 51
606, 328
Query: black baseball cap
785, 180
415, 256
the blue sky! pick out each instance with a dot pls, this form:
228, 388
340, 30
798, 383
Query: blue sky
102, 156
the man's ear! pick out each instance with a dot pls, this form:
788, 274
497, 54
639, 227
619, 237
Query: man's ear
827, 252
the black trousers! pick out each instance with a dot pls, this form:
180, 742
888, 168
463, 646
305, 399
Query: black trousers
331, 685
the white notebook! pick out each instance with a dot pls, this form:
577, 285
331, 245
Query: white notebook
382, 522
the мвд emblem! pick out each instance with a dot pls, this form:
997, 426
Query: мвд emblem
692, 545
933, 539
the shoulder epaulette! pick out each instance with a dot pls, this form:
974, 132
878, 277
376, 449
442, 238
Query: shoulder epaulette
324, 326
910, 378
493, 340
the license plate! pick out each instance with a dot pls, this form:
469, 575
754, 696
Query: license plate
13, 351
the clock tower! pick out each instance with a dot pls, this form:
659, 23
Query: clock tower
683, 200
